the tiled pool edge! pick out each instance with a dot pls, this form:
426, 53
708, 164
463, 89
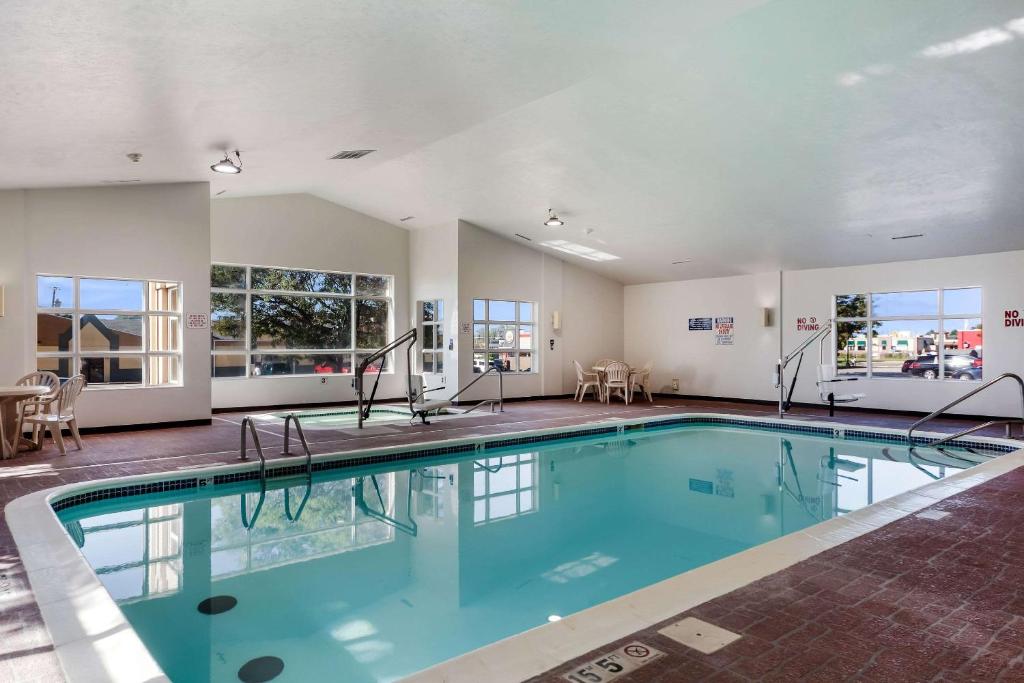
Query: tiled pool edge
104, 646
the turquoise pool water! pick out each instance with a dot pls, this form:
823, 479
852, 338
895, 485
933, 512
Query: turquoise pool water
384, 571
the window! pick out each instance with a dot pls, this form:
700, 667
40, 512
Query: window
932, 334
432, 336
504, 335
504, 487
287, 321
115, 332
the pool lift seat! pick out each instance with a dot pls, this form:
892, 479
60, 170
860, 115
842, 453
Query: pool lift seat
420, 407
827, 378
827, 374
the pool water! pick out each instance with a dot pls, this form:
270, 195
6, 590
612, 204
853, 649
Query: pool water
381, 572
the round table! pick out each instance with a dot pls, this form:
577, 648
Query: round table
10, 397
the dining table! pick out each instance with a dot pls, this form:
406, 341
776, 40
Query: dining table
10, 397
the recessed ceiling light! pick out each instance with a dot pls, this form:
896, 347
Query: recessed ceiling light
908, 237
567, 247
225, 165
553, 220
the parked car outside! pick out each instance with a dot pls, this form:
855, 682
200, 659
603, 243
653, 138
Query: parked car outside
957, 366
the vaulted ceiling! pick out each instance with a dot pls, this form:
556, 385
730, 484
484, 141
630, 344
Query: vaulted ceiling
743, 135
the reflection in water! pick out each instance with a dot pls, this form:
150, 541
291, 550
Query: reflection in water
373, 577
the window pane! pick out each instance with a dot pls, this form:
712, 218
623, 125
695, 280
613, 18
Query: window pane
502, 310
428, 362
479, 336
896, 343
373, 285
504, 479
501, 336
53, 332
301, 280
110, 332
227, 321
525, 501
371, 323
479, 362
525, 362
60, 366
501, 506
228, 366
888, 304
109, 295
526, 336
851, 348
164, 296
266, 365
54, 292
439, 308
505, 361
963, 344
426, 311
439, 337
427, 336
438, 362
164, 333
851, 306
227, 276
117, 370
164, 371
479, 309
301, 322
961, 301
525, 312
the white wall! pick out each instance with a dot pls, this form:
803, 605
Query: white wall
146, 232
302, 231
433, 274
656, 328
492, 267
1001, 276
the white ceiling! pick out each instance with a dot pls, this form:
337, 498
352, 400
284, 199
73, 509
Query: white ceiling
746, 135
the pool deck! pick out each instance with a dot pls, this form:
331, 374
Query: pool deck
917, 600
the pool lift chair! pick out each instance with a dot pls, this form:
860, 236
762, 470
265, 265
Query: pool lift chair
827, 375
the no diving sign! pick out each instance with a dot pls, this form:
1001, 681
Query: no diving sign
610, 666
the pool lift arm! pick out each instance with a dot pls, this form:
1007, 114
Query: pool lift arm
786, 397
364, 405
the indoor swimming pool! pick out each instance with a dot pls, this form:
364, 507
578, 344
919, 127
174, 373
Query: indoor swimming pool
376, 572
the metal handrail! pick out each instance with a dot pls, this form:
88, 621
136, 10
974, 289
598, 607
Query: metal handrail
798, 352
1008, 421
248, 422
490, 401
357, 382
302, 439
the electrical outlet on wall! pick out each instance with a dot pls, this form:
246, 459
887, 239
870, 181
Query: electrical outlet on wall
675, 385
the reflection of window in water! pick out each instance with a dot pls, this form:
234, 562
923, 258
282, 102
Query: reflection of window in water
136, 553
330, 524
577, 569
504, 487
429, 485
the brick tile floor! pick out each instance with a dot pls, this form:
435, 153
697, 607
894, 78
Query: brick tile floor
936, 599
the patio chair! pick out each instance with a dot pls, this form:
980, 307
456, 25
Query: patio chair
586, 380
40, 378
57, 411
616, 378
641, 379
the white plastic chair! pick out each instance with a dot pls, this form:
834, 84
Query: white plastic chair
586, 380
41, 378
641, 379
58, 411
827, 379
616, 379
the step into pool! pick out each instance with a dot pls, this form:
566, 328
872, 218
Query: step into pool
376, 572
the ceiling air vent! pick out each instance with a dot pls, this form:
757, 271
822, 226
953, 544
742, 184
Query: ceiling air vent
352, 153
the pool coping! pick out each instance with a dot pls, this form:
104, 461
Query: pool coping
94, 641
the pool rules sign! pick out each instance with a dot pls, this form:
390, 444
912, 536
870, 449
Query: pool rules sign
724, 331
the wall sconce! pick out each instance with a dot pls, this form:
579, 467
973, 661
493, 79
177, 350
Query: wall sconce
768, 317
1, 301
556, 320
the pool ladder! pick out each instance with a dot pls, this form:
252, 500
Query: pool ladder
1009, 422
249, 429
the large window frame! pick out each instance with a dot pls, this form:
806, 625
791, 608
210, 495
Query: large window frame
430, 318
485, 322
353, 352
870, 320
160, 326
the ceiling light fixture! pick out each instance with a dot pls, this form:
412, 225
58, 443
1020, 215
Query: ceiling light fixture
226, 165
553, 220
